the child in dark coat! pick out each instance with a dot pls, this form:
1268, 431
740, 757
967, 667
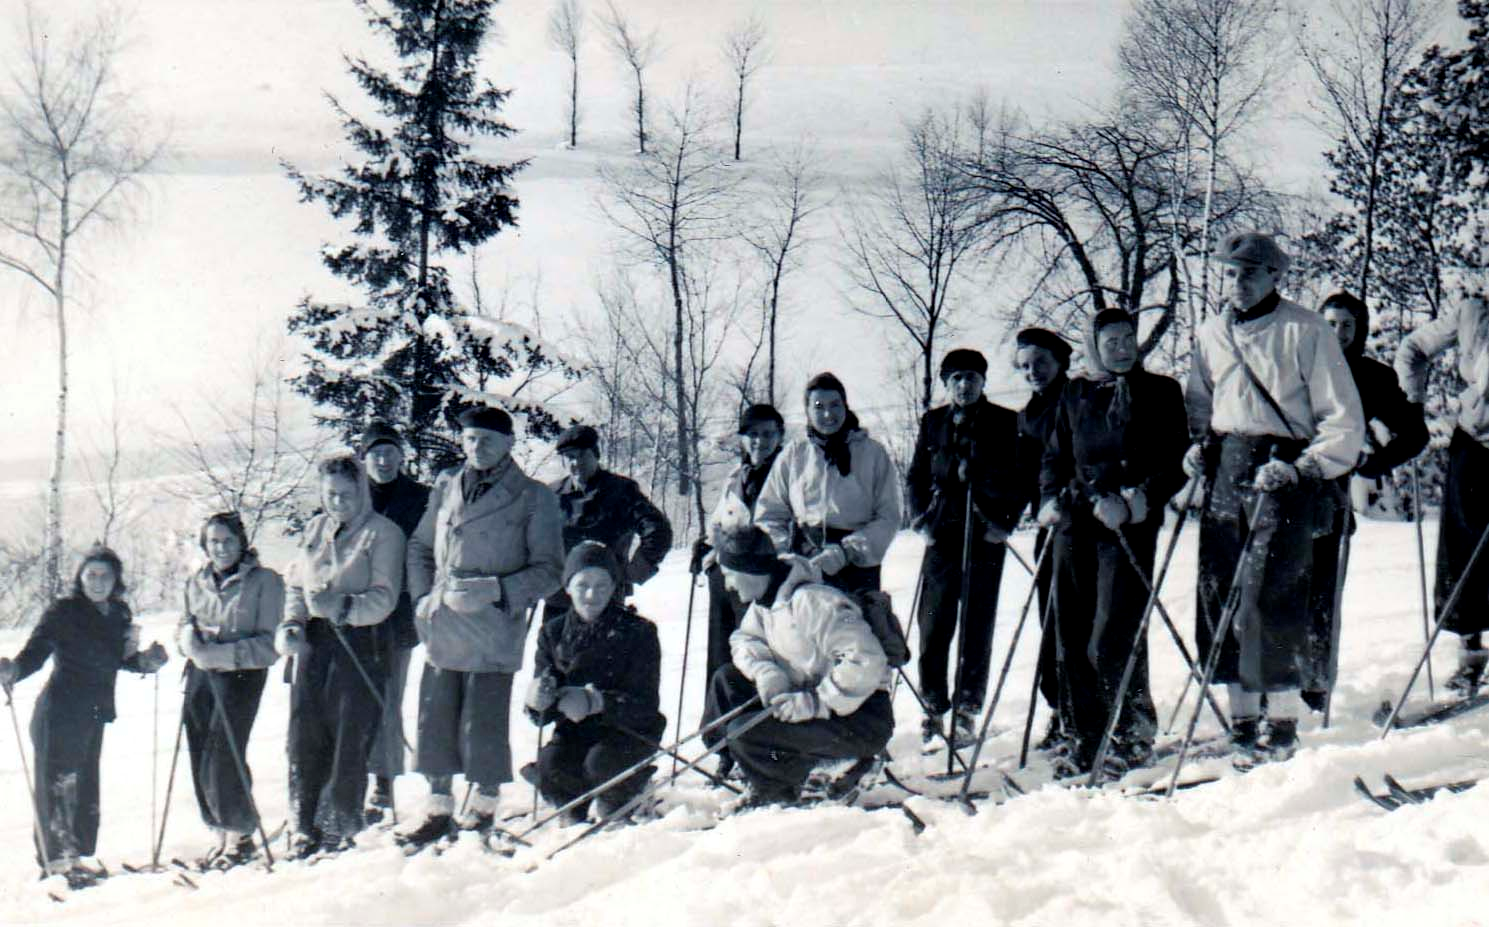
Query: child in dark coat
596, 676
89, 636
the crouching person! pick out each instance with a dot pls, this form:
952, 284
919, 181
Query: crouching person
813, 660
596, 676
489, 546
344, 585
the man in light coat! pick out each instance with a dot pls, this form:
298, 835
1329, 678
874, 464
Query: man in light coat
489, 546
1275, 417
813, 661
1465, 501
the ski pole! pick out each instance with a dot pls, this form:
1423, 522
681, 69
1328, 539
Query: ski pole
1018, 630
154, 754
687, 642
1416, 498
1227, 616
170, 784
538, 759
1046, 639
894, 684
377, 695
646, 790
236, 753
1336, 619
920, 700
1130, 668
642, 738
641, 764
961, 606
1178, 639
1447, 609
15, 724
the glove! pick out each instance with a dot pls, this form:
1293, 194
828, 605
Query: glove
1308, 467
327, 603
1274, 475
995, 534
8, 673
771, 685
830, 560
542, 692
579, 702
1050, 514
1111, 511
639, 570
1194, 461
152, 659
289, 640
1369, 469
1137, 504
796, 707
701, 549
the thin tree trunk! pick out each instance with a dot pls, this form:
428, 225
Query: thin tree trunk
640, 114
739, 116
52, 561
574, 102
681, 388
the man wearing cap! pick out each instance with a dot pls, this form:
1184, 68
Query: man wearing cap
808, 652
1275, 417
1465, 501
489, 546
962, 487
1043, 359
761, 429
401, 499
598, 505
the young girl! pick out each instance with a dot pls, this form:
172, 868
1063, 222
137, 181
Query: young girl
89, 636
227, 628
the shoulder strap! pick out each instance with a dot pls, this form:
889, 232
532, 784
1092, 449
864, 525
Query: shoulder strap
1256, 381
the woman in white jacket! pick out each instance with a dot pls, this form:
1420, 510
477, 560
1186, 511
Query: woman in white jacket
833, 496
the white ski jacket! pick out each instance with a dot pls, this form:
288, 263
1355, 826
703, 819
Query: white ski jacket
1466, 327
803, 488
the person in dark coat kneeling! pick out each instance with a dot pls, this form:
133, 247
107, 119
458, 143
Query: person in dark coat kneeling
596, 676
1113, 460
812, 659
89, 636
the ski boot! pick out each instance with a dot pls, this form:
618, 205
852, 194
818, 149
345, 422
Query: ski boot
1054, 736
1470, 673
438, 824
479, 815
964, 727
852, 778
930, 731
304, 845
1278, 745
379, 802
1315, 699
1245, 731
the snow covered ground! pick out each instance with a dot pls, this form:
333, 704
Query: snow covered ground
1289, 844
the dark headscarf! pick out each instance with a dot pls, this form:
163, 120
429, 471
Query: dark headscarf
1119, 413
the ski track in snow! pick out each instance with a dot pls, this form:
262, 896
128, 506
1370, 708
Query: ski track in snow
1285, 844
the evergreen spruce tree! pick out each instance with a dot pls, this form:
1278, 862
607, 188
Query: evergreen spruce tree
408, 352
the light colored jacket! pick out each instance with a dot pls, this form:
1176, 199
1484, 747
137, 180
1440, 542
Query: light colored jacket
1466, 327
363, 564
1296, 356
236, 621
475, 570
803, 488
817, 639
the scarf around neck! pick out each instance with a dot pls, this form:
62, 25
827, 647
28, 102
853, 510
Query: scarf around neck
835, 446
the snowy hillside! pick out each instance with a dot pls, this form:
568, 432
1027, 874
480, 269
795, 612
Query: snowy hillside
1288, 844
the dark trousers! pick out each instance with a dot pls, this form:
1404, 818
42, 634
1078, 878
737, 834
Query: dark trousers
463, 726
1266, 649
1101, 606
386, 760
725, 612
1465, 516
333, 719
67, 742
939, 606
220, 793
580, 756
776, 757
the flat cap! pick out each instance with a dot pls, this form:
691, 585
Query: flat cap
1253, 248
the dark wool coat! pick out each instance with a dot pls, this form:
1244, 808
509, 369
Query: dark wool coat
986, 439
1035, 422
619, 655
612, 509
402, 502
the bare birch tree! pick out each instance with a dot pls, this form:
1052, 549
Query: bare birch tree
745, 52
1359, 53
72, 148
566, 35
638, 52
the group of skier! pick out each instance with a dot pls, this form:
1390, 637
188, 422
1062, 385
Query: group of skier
1280, 408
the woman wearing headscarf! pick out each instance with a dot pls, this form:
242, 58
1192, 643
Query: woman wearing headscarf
89, 636
1113, 460
1395, 432
232, 607
344, 585
833, 495
596, 675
